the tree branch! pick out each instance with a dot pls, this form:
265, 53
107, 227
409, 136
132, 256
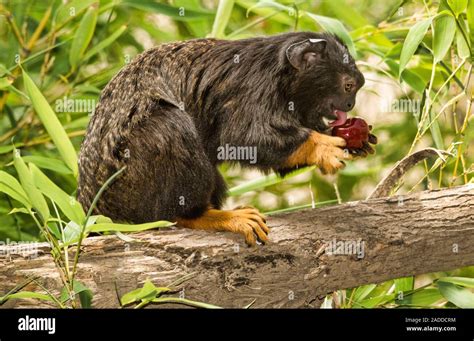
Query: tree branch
400, 236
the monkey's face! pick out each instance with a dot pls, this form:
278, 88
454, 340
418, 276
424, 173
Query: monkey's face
326, 83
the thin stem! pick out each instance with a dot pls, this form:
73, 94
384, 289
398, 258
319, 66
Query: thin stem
89, 213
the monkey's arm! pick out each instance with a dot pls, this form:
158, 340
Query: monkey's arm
321, 150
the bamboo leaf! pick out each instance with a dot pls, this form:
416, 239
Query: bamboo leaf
470, 23
403, 284
48, 163
85, 294
71, 9
52, 124
423, 298
177, 13
26, 294
11, 186
444, 30
414, 37
104, 43
436, 130
461, 297
109, 227
363, 291
35, 197
146, 293
410, 77
224, 10
335, 27
264, 181
83, 35
71, 233
68, 204
458, 6
462, 46
463, 281
184, 301
376, 301
347, 13
269, 4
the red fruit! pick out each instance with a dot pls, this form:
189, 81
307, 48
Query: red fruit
355, 131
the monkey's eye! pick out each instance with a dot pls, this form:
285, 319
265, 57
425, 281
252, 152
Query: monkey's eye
348, 86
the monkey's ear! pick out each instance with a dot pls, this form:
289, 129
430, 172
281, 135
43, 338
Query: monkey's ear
306, 53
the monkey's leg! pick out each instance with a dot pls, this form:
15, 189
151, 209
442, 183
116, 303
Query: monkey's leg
321, 150
173, 179
246, 221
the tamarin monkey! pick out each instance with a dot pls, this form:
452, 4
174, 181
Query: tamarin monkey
166, 113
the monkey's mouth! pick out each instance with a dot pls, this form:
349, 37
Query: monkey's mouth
334, 118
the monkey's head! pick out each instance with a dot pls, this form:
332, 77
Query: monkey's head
326, 79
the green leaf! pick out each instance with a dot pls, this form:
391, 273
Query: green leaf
362, 292
72, 230
109, 227
461, 297
347, 14
414, 37
224, 10
26, 294
463, 281
179, 14
8, 148
148, 292
269, 13
436, 130
264, 181
403, 284
301, 207
68, 204
376, 301
444, 30
80, 123
145, 294
85, 294
130, 297
11, 186
177, 300
48, 163
197, 28
470, 23
463, 47
52, 124
423, 298
410, 77
71, 9
54, 228
458, 6
269, 4
26, 179
83, 35
335, 27
104, 43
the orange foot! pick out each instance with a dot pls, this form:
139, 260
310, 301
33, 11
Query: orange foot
247, 221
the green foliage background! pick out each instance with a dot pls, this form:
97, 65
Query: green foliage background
52, 51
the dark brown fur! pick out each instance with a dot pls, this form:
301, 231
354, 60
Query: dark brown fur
166, 113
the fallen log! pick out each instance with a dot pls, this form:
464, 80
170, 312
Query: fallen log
312, 252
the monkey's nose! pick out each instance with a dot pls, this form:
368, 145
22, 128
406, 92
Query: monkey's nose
350, 105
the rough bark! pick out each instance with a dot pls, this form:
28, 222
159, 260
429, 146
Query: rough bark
420, 233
